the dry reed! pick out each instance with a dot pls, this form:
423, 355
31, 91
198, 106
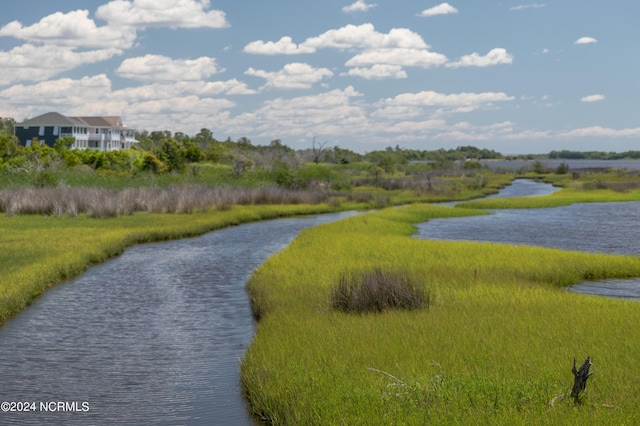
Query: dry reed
100, 202
378, 290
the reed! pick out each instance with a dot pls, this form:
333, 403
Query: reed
102, 203
378, 290
495, 346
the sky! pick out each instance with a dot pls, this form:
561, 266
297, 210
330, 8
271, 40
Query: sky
515, 76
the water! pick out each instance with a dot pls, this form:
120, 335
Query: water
574, 165
593, 227
154, 336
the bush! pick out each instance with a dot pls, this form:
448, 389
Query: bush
45, 178
378, 290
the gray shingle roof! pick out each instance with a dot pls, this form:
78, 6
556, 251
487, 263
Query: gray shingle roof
50, 119
57, 119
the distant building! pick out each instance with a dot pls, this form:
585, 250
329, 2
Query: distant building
102, 133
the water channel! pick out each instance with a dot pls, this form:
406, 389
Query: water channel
155, 336
152, 337
593, 227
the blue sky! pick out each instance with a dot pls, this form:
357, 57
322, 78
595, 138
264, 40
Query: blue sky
516, 76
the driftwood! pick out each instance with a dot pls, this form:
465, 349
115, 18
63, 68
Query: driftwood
580, 377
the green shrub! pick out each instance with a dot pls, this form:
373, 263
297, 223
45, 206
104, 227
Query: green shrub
45, 178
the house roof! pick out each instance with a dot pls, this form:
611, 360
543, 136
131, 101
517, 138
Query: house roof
49, 119
100, 121
57, 119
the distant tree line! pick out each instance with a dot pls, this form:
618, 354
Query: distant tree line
460, 153
594, 155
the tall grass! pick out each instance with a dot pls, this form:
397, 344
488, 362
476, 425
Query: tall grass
378, 290
495, 346
101, 202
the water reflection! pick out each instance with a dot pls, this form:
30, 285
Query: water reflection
151, 337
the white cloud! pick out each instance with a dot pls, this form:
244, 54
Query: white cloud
162, 13
192, 104
592, 98
180, 107
585, 40
292, 76
358, 6
71, 29
64, 91
162, 68
166, 90
382, 55
441, 9
403, 57
495, 56
420, 127
229, 87
348, 37
434, 99
366, 37
284, 46
378, 72
328, 114
598, 131
37, 63
527, 6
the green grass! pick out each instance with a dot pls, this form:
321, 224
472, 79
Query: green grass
564, 197
495, 346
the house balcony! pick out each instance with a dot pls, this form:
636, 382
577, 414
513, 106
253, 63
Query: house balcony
102, 141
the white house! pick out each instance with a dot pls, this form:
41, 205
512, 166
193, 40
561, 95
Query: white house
103, 133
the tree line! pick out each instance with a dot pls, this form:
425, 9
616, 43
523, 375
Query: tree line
594, 155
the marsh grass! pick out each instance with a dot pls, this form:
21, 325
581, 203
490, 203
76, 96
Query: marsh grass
564, 197
494, 347
102, 203
378, 290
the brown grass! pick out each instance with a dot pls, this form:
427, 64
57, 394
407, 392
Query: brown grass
100, 202
378, 290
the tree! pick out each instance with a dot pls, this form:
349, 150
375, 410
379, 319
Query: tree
65, 143
172, 155
204, 137
387, 160
562, 169
318, 149
192, 152
6, 126
9, 147
241, 164
244, 142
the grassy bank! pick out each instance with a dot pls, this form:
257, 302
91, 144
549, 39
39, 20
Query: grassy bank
564, 197
495, 345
